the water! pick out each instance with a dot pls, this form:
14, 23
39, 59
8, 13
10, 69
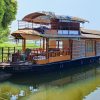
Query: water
54, 86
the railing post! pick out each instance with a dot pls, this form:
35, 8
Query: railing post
2, 54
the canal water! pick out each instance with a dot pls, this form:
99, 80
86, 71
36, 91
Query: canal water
71, 84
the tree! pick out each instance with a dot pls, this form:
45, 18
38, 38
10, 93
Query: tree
8, 10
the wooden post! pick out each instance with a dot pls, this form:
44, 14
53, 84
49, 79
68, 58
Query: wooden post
40, 43
47, 48
85, 47
71, 51
43, 44
58, 44
24, 45
95, 48
2, 53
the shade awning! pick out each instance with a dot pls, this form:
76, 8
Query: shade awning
45, 18
27, 34
90, 36
88, 31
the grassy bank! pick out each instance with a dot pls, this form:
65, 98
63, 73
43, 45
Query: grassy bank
17, 46
73, 91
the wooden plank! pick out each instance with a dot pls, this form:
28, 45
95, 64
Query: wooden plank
65, 44
52, 44
59, 58
24, 45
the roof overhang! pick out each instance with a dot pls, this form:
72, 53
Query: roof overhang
45, 18
92, 34
27, 34
57, 36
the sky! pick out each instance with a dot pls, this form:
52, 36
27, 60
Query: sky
87, 9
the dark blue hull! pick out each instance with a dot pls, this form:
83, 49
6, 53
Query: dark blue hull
50, 67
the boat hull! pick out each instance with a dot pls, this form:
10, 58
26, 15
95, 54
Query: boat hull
50, 67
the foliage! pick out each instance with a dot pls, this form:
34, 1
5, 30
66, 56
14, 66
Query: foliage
8, 10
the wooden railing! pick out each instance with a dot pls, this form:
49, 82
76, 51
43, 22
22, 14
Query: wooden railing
40, 55
5, 53
35, 55
59, 53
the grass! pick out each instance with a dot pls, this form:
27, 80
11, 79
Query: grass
17, 46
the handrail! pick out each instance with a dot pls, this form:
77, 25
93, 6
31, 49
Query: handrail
7, 51
42, 55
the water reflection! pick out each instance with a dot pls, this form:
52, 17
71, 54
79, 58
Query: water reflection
54, 78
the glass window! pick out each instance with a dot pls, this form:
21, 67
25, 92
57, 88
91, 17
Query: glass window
90, 46
70, 32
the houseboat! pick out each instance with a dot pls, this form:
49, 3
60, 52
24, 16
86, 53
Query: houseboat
64, 44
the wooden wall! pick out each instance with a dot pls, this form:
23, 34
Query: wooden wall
66, 44
59, 58
55, 24
90, 48
52, 43
98, 47
78, 49
51, 31
84, 48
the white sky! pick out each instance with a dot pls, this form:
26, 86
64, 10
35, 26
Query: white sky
87, 9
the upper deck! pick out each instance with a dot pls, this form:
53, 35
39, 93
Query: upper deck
48, 22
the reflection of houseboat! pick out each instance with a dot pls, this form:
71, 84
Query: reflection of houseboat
63, 43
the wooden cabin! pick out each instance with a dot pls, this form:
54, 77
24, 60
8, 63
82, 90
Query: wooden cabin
62, 37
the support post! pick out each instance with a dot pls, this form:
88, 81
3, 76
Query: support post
24, 45
40, 43
71, 51
95, 48
43, 44
47, 48
58, 44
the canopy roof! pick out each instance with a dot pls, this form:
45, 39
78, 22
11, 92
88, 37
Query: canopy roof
26, 34
88, 31
45, 18
90, 36
33, 34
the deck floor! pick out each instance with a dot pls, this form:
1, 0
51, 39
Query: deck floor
4, 64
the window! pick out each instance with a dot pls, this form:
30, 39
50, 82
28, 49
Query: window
68, 32
89, 46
